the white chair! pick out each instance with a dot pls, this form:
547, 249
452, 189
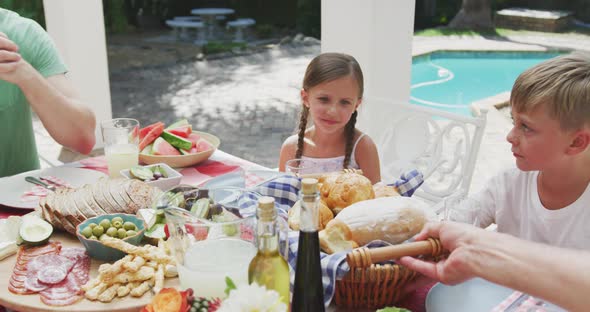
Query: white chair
240, 24
443, 146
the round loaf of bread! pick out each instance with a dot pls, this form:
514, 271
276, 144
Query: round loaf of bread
384, 190
325, 215
340, 190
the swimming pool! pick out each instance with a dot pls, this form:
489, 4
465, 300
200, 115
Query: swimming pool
451, 81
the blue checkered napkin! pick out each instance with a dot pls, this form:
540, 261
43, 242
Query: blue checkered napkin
408, 182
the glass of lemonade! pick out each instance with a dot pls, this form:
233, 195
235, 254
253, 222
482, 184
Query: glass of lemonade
121, 144
212, 236
300, 166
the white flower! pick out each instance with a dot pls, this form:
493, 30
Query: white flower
252, 298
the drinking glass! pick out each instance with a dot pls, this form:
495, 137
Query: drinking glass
208, 247
299, 166
460, 208
121, 144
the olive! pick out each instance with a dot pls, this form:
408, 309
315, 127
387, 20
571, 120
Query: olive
93, 237
87, 232
98, 231
92, 225
131, 233
121, 233
117, 219
105, 223
112, 232
129, 226
117, 224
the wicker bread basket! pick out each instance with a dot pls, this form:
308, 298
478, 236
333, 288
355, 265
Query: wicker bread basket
369, 284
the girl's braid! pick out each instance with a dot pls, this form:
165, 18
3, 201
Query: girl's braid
349, 133
302, 127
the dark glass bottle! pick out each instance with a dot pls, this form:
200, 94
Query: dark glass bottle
308, 293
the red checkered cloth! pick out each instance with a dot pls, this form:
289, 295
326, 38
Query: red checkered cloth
520, 302
219, 163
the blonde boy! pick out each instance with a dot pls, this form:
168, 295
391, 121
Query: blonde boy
547, 199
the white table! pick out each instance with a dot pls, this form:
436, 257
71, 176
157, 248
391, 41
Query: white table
209, 15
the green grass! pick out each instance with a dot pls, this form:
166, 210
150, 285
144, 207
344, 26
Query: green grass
218, 47
461, 32
431, 32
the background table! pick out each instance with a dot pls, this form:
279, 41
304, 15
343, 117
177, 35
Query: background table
208, 15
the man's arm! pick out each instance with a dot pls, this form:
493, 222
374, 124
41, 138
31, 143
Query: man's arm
561, 276
54, 100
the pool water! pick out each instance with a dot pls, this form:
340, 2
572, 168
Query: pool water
451, 81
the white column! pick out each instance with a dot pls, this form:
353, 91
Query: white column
77, 27
378, 33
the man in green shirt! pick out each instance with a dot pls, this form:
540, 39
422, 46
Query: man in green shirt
32, 76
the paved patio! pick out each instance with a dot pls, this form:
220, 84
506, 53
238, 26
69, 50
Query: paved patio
218, 96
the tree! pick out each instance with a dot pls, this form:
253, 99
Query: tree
474, 14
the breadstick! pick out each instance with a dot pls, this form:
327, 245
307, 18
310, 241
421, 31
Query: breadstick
109, 293
134, 265
93, 293
159, 279
170, 270
141, 289
124, 290
144, 273
147, 252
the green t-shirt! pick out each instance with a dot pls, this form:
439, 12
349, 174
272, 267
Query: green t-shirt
18, 151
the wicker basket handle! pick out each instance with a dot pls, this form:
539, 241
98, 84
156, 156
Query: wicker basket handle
365, 257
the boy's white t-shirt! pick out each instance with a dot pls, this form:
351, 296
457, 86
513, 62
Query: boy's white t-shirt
511, 200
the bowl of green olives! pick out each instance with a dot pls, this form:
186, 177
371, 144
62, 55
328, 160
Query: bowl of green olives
117, 225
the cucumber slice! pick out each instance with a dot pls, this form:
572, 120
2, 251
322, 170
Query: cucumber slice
141, 173
35, 231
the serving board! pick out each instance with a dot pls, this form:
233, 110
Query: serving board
33, 302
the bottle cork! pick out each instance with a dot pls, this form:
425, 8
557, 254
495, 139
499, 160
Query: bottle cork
309, 186
266, 208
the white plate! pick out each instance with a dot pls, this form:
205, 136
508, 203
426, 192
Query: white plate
237, 178
471, 296
13, 187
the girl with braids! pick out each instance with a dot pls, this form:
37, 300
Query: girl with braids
332, 92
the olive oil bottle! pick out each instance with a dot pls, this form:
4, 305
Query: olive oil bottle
268, 268
308, 292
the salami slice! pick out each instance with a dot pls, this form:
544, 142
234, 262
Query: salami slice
69, 290
25, 255
64, 293
52, 274
32, 283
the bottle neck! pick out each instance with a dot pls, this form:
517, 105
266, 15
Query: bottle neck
309, 212
267, 236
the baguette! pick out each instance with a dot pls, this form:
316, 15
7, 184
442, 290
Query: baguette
391, 219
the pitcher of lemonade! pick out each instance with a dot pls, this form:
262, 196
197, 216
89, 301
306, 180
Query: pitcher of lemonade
212, 235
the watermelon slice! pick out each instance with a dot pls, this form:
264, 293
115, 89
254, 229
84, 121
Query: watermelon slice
143, 131
147, 150
182, 131
203, 145
194, 138
176, 141
161, 147
180, 123
155, 132
193, 150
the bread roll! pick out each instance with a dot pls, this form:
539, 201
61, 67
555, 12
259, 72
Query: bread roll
392, 219
384, 190
336, 237
339, 190
295, 216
